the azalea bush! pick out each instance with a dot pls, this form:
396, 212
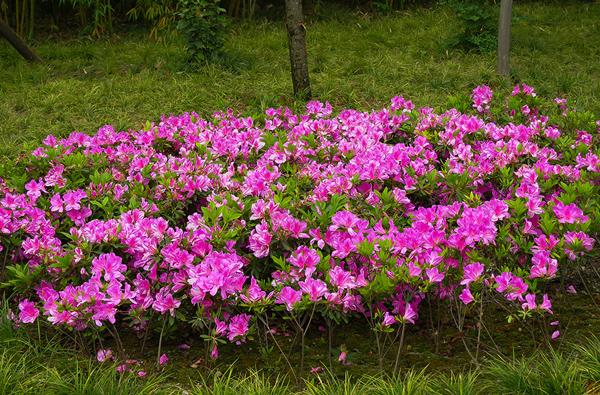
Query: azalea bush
231, 226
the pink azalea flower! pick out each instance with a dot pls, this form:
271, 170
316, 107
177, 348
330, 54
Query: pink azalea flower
530, 303
546, 304
260, 239
342, 279
289, 296
72, 199
569, 214
342, 358
434, 275
482, 96
465, 296
306, 259
316, 370
254, 292
104, 355
414, 270
409, 314
56, 203
472, 273
163, 359
238, 326
166, 302
315, 289
27, 312
214, 354
388, 319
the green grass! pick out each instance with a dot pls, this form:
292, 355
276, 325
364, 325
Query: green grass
356, 60
28, 365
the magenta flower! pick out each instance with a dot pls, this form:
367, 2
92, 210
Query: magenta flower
238, 326
342, 279
35, 189
569, 214
289, 297
165, 302
27, 312
482, 96
465, 296
530, 303
214, 354
56, 203
163, 359
316, 370
546, 304
72, 199
306, 259
414, 270
315, 289
254, 293
260, 239
104, 355
434, 275
409, 314
503, 281
109, 266
388, 319
472, 273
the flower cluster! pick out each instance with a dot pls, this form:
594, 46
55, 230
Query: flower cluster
364, 213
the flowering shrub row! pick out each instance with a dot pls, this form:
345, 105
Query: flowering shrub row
223, 223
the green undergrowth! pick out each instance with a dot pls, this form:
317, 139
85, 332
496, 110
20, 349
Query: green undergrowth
31, 363
356, 60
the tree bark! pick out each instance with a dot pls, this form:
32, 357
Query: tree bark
297, 46
18, 43
504, 37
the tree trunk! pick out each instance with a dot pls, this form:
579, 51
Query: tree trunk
504, 37
17, 42
297, 46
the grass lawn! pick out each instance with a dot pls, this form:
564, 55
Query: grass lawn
356, 60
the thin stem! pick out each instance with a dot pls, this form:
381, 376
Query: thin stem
590, 294
160, 341
304, 331
117, 341
329, 343
266, 322
479, 328
399, 348
146, 332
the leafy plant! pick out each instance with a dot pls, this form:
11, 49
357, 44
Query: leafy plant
161, 14
478, 25
203, 26
95, 15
